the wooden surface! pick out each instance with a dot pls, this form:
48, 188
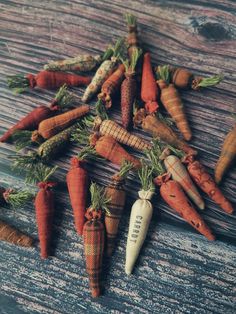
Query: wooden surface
178, 270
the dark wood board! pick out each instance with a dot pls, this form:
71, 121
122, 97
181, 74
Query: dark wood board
178, 270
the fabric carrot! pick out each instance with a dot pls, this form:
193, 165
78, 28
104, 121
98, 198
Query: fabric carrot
227, 155
184, 79
49, 127
206, 183
179, 173
14, 236
77, 180
129, 88
140, 217
171, 100
116, 194
159, 129
81, 63
111, 85
103, 72
113, 129
132, 38
44, 206
45, 80
149, 88
63, 99
94, 237
108, 148
175, 197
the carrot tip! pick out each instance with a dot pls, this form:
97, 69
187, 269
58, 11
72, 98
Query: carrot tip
95, 293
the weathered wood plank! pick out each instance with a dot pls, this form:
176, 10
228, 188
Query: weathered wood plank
178, 270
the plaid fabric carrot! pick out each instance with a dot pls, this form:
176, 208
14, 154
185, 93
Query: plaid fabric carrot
111, 85
94, 237
81, 63
116, 194
203, 179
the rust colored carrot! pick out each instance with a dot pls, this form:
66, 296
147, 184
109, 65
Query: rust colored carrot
62, 99
184, 79
45, 80
77, 183
129, 88
206, 183
81, 63
149, 88
171, 100
161, 130
175, 197
14, 236
108, 148
94, 237
132, 38
111, 85
44, 206
227, 155
113, 129
116, 194
50, 127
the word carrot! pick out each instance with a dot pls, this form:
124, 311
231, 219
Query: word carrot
140, 217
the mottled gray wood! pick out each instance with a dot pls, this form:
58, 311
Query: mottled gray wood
178, 271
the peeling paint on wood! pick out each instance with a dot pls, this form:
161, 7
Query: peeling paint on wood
178, 270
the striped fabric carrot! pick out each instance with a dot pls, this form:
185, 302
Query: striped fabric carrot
94, 238
171, 100
206, 183
116, 194
227, 155
111, 85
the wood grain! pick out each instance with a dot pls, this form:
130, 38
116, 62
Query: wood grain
178, 270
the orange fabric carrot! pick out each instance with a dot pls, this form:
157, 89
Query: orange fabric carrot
161, 130
94, 237
50, 127
171, 100
108, 148
149, 88
174, 196
203, 179
45, 80
31, 121
227, 156
111, 85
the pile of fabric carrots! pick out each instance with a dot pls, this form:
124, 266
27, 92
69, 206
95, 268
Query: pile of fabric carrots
169, 163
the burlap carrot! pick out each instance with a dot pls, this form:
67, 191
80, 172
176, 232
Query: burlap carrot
14, 236
184, 79
203, 179
171, 100
159, 129
94, 237
116, 194
227, 155
111, 85
81, 63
